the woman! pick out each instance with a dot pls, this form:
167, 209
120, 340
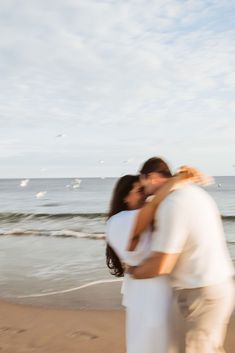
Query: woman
148, 302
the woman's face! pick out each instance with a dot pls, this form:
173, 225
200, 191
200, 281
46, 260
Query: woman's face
136, 197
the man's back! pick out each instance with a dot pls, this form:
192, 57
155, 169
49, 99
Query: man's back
189, 223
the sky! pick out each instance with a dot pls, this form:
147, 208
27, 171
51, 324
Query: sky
95, 87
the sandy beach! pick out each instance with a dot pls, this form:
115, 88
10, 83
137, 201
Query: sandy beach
66, 328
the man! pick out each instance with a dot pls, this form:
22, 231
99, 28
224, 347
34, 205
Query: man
189, 244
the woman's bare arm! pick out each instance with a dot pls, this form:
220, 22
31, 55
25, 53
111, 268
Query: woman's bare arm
147, 212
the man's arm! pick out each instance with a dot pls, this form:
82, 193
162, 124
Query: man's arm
156, 265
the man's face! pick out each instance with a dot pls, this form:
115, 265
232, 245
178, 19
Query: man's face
151, 182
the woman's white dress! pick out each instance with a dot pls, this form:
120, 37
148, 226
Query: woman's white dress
148, 302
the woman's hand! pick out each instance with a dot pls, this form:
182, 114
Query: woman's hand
183, 175
186, 173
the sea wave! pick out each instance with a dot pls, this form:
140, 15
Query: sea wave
63, 233
18, 217
228, 218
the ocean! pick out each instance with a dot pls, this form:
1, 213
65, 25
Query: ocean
52, 232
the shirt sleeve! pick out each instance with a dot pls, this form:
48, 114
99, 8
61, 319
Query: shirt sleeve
171, 228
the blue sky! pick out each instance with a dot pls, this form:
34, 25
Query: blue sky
93, 88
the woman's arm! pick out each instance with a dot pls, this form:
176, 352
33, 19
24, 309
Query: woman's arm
147, 212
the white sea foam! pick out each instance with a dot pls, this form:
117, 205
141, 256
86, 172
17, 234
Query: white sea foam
63, 233
36, 295
70, 233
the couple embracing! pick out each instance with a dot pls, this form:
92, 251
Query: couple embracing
171, 244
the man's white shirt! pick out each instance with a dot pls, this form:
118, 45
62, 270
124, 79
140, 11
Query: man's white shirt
188, 222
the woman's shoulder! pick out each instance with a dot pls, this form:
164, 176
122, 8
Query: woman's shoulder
122, 220
121, 216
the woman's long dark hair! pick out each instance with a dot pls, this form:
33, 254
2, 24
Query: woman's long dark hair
122, 188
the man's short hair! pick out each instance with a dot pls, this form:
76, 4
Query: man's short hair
156, 165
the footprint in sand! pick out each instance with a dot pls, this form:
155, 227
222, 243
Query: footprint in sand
5, 330
83, 335
10, 330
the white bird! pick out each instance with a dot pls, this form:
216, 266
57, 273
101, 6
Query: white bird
129, 161
41, 194
77, 183
61, 135
24, 183
76, 186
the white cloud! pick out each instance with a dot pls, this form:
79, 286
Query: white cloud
116, 77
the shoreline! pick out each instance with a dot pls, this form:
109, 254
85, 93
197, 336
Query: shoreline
92, 320
100, 297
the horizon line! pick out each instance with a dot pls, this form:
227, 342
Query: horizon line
86, 177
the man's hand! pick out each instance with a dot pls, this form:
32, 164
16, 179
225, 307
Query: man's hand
156, 265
